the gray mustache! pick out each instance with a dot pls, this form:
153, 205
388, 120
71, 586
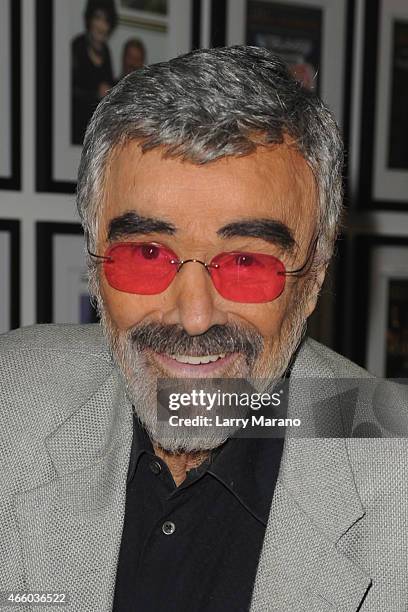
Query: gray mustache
174, 340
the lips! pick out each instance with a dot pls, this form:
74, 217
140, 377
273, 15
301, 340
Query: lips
197, 360
192, 366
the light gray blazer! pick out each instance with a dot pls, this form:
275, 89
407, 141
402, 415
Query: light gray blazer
338, 528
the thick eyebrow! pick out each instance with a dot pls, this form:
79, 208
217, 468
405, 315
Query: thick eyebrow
270, 230
131, 223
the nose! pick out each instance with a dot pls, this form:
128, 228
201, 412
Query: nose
195, 305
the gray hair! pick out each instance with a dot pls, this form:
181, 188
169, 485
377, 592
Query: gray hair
209, 104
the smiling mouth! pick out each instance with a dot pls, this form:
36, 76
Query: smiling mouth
190, 366
197, 360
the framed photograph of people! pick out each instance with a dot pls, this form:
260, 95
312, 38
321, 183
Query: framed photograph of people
380, 334
10, 88
310, 35
384, 117
62, 284
9, 274
84, 47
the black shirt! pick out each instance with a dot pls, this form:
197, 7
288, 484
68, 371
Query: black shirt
195, 547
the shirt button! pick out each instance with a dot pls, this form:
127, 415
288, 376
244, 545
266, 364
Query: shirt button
155, 467
168, 528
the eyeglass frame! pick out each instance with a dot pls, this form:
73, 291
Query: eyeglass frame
302, 271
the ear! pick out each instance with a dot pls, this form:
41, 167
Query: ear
315, 291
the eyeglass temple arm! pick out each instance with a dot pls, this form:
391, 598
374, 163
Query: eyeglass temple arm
304, 269
100, 257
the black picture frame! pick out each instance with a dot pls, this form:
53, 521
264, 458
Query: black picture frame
282, 27
11, 301
380, 186
46, 263
44, 103
56, 163
12, 180
364, 310
336, 40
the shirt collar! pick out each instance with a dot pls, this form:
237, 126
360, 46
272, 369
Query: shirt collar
247, 467
140, 443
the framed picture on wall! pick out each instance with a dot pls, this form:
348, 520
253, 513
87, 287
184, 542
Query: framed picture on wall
9, 274
10, 99
62, 284
312, 36
83, 48
384, 117
152, 14
380, 313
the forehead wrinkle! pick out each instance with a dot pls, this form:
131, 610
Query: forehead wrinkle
282, 171
302, 190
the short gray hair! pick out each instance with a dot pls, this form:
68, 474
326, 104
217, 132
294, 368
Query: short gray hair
209, 104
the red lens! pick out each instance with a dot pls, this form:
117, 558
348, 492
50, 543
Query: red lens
144, 268
248, 277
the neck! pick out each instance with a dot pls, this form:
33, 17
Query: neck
181, 463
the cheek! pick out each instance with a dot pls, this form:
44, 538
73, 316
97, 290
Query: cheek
126, 309
269, 318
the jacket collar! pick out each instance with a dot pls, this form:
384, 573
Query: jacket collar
315, 469
315, 504
70, 523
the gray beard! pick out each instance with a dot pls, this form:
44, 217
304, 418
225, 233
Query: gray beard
141, 384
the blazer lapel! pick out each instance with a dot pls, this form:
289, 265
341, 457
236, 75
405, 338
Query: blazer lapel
315, 503
300, 569
71, 524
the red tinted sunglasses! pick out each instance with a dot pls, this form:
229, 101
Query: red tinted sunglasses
148, 268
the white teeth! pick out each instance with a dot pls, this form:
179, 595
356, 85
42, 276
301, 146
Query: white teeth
197, 360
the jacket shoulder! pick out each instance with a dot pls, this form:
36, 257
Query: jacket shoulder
46, 372
76, 339
317, 360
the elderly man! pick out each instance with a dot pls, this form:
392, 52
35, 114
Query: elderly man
210, 194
